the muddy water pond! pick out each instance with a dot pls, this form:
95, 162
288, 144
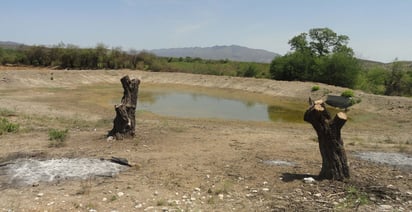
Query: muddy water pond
190, 102
178, 101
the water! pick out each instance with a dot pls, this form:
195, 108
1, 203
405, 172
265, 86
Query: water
229, 105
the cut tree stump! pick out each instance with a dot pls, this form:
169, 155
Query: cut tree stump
334, 161
125, 121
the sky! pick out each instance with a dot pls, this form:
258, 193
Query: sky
379, 30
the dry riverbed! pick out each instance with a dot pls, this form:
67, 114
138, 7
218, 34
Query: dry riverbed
191, 164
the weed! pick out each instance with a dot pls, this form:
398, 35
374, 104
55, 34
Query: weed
348, 93
315, 88
7, 127
160, 202
113, 198
354, 198
57, 137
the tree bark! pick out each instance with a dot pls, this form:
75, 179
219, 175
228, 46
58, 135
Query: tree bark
125, 121
334, 161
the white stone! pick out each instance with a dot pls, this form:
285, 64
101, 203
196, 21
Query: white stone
120, 194
40, 194
265, 189
386, 207
318, 195
308, 180
104, 199
221, 196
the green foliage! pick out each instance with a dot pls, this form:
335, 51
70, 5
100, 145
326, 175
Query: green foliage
372, 80
354, 198
7, 127
399, 80
315, 88
348, 93
320, 56
57, 137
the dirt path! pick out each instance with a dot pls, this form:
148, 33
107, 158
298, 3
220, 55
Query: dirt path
200, 164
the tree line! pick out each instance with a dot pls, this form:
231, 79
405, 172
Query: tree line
69, 56
72, 57
320, 55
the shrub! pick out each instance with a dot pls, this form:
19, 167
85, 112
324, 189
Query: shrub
315, 88
348, 93
57, 137
7, 127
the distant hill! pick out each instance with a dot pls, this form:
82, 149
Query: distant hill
9, 45
233, 52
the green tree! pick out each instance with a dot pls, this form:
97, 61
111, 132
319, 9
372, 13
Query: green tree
398, 82
320, 55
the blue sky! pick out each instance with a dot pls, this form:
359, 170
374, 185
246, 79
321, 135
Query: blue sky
379, 30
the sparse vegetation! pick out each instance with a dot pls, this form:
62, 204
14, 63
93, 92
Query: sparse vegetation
348, 93
315, 88
57, 137
354, 198
7, 127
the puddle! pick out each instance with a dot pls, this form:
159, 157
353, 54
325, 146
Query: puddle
394, 159
278, 163
31, 172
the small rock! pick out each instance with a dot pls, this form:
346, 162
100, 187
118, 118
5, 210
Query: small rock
254, 190
50, 203
221, 196
308, 180
197, 189
265, 189
165, 209
110, 138
265, 183
386, 207
120, 194
148, 208
399, 177
156, 193
184, 197
249, 195
104, 199
40, 194
317, 195
193, 199
138, 206
92, 210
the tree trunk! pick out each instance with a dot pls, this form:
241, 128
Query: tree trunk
124, 122
334, 161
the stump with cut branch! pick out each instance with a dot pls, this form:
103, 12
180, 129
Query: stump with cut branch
124, 123
328, 129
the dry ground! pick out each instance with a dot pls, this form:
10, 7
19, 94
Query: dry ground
197, 164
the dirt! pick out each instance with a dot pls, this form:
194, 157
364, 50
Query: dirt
188, 164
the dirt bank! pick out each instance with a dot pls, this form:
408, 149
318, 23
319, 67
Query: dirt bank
199, 164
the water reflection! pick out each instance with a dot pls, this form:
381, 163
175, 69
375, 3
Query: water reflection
190, 104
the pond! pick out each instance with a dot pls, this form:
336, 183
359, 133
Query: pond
190, 102
178, 101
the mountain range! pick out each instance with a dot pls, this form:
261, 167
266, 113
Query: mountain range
233, 52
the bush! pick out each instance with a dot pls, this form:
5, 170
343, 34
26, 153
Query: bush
315, 88
57, 137
348, 93
7, 127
